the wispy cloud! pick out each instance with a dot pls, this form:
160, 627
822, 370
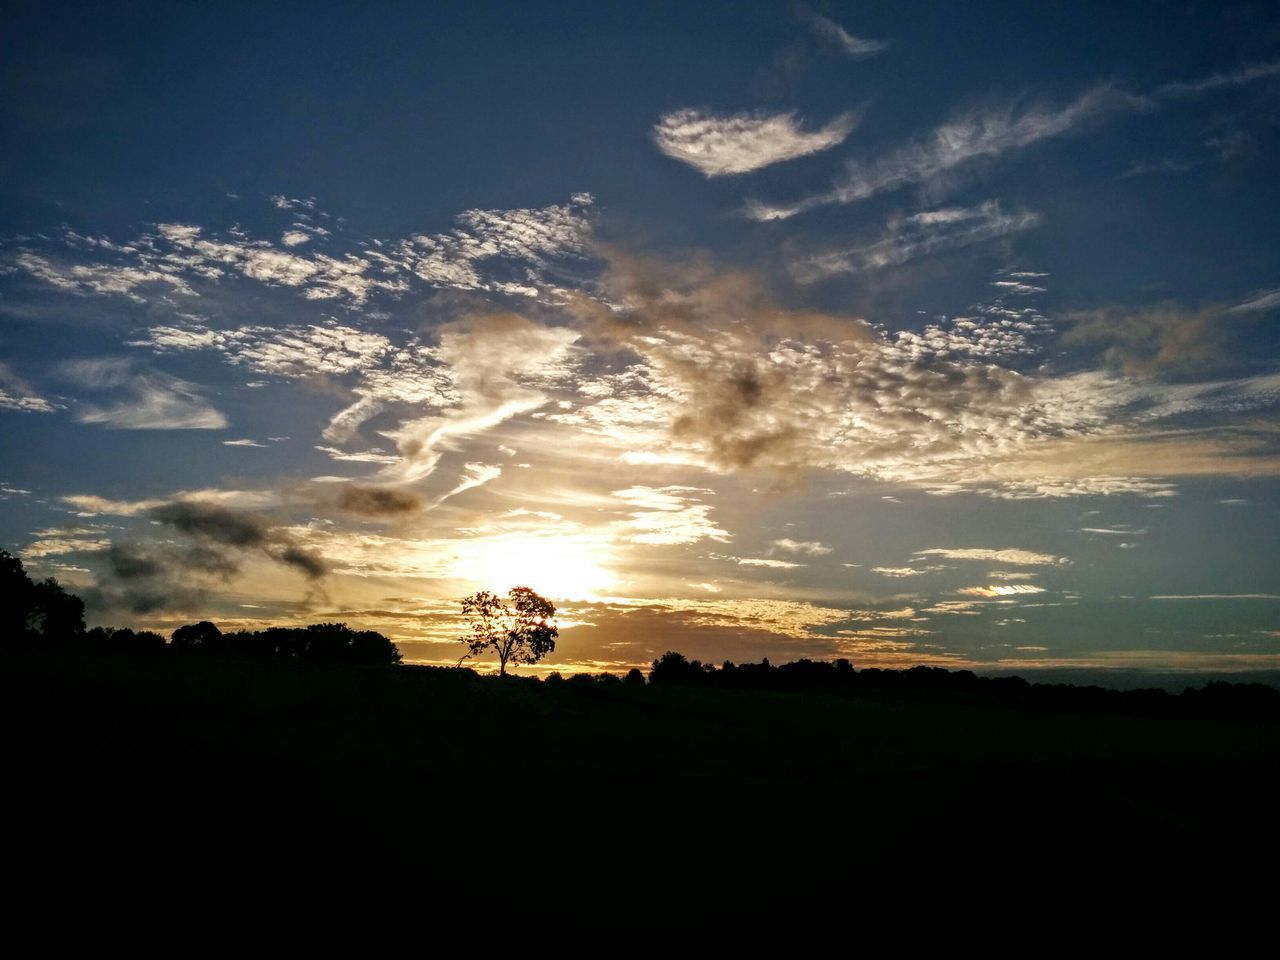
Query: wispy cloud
148, 399
991, 133
918, 235
1142, 168
669, 515
1234, 78
975, 134
1266, 300
1217, 596
17, 394
839, 37
742, 142
498, 364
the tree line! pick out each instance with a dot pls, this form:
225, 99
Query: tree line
673, 669
42, 614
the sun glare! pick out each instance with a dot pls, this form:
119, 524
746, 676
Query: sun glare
567, 568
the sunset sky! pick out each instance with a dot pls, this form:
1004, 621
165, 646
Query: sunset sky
943, 334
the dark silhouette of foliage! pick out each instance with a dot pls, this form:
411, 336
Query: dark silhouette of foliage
124, 640
317, 643
673, 669
36, 611
202, 637
634, 678
522, 631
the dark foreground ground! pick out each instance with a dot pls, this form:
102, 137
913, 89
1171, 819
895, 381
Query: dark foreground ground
208, 788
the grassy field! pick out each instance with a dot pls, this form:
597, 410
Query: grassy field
167, 778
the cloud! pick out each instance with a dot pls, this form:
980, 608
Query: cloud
1010, 555
1217, 596
501, 251
378, 501
810, 548
1145, 341
221, 525
360, 456
1266, 300
497, 364
60, 545
213, 525
1218, 81
841, 39
1001, 590
289, 352
1141, 168
473, 475
907, 238
242, 443
901, 572
668, 515
772, 564
739, 143
969, 136
722, 376
149, 400
689, 366
88, 505
87, 279
17, 394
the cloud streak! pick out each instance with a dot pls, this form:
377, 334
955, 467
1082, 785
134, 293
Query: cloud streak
909, 237
830, 31
968, 137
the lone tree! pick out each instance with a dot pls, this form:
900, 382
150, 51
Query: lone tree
520, 631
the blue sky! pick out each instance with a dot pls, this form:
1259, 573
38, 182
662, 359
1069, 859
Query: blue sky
908, 335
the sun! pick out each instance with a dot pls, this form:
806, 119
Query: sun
562, 567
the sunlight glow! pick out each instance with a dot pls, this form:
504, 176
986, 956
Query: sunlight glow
572, 567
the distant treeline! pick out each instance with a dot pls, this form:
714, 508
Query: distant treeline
44, 615
840, 677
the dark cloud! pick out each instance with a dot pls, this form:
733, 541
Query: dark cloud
308, 561
219, 524
210, 524
131, 562
378, 501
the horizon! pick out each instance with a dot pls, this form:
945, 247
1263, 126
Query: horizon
909, 337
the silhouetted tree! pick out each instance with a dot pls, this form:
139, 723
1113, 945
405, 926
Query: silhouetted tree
672, 668
113, 640
522, 631
202, 637
317, 643
31, 611
634, 678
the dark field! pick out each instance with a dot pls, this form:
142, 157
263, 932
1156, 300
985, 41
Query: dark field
178, 783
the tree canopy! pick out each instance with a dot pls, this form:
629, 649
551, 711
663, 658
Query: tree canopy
34, 611
518, 629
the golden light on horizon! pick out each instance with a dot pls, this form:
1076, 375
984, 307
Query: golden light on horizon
569, 567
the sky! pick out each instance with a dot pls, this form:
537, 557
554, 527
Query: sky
905, 333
